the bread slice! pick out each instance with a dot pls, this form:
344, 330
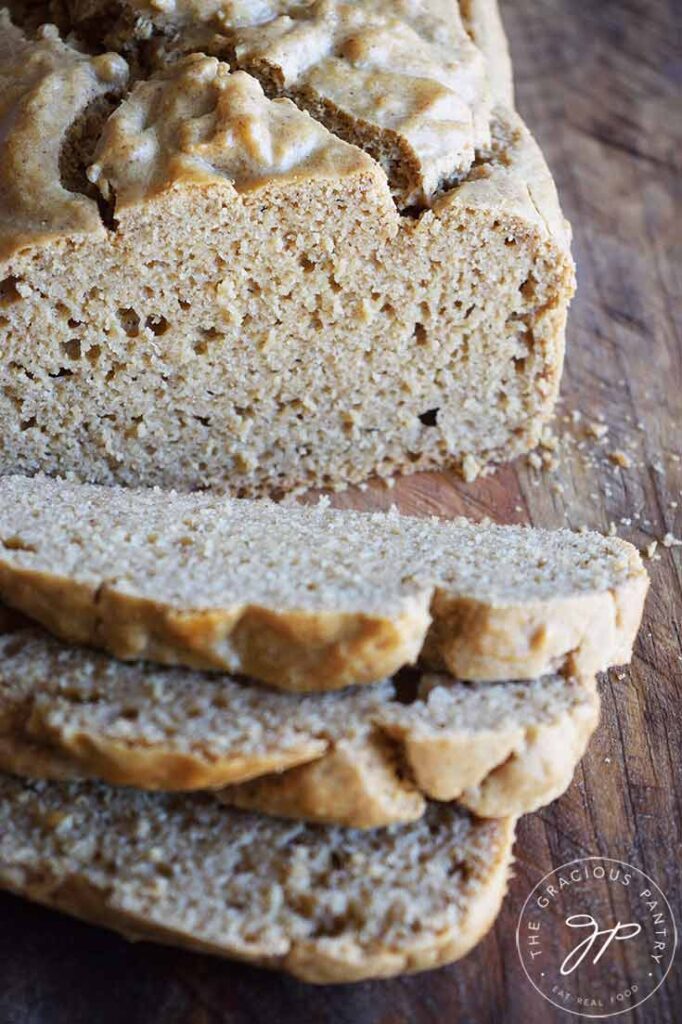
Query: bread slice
224, 292
325, 904
368, 756
312, 598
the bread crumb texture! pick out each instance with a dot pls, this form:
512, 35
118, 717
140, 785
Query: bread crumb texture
270, 246
311, 598
326, 904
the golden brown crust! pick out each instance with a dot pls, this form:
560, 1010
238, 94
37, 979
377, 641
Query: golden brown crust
195, 124
405, 82
483, 23
355, 784
582, 634
322, 651
511, 770
45, 86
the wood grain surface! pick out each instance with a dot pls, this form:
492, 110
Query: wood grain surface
597, 83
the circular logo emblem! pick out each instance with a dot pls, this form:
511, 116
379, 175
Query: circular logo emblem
596, 937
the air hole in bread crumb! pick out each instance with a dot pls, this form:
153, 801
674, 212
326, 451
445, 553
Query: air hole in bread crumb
72, 348
430, 418
93, 354
158, 325
61, 372
9, 292
419, 335
28, 424
129, 320
17, 544
114, 371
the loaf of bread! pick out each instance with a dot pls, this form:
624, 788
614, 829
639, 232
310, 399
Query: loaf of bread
369, 756
312, 598
341, 255
326, 904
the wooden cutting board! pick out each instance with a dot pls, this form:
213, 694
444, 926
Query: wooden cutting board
595, 82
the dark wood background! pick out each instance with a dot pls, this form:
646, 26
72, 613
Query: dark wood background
598, 84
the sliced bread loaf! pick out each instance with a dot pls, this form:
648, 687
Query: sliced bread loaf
312, 598
368, 756
325, 904
221, 291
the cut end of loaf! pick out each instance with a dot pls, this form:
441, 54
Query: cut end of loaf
218, 364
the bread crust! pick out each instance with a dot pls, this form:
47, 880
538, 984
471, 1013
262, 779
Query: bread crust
511, 771
483, 23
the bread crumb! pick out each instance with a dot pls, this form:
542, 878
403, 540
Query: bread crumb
671, 541
548, 439
650, 549
619, 458
534, 460
471, 468
594, 429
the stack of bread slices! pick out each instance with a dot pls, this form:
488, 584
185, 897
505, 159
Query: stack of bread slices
290, 735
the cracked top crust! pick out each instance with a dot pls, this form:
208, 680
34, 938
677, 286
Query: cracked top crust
196, 123
400, 78
44, 86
